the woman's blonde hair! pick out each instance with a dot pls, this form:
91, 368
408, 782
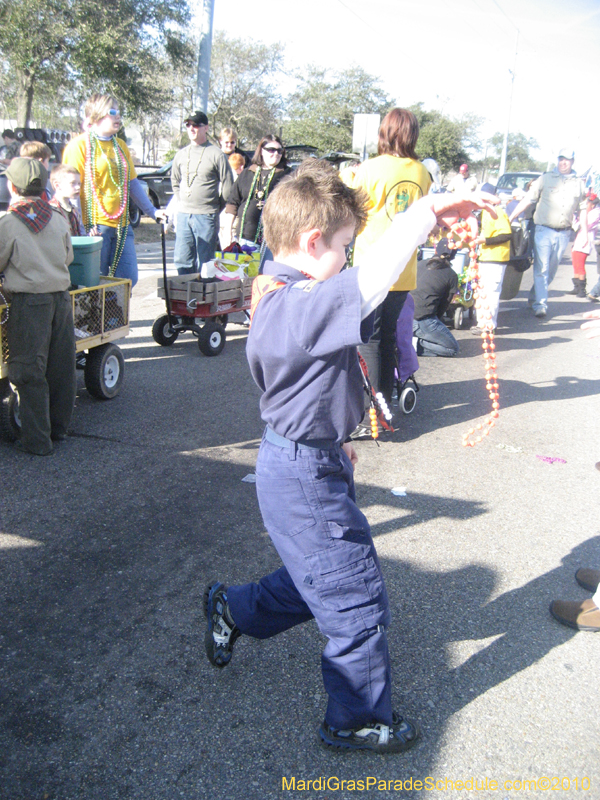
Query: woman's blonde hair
98, 106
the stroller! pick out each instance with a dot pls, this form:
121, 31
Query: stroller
407, 362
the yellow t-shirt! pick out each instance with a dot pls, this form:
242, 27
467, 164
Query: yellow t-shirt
106, 176
494, 227
392, 184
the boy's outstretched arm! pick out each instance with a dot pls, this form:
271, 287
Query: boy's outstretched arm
381, 267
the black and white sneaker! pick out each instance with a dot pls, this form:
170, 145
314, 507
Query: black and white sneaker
222, 632
395, 738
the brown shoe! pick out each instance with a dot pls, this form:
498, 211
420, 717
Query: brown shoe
588, 578
583, 616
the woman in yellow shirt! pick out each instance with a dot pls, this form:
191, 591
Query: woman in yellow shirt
108, 177
393, 181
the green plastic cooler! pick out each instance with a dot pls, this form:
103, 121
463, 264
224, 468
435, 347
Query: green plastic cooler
85, 268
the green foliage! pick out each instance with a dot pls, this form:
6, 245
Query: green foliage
444, 139
243, 91
518, 157
320, 112
81, 46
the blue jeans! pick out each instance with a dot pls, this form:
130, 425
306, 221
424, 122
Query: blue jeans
331, 572
434, 338
195, 241
549, 246
127, 266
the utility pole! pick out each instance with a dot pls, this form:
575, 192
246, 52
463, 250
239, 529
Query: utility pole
502, 169
206, 32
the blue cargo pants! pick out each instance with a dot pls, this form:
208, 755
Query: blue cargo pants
331, 572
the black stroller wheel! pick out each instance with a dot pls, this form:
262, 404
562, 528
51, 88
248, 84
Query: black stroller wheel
408, 400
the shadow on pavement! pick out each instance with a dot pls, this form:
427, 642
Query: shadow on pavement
106, 692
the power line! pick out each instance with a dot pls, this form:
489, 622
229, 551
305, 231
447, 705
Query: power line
364, 21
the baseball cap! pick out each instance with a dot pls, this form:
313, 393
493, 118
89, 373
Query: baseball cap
27, 174
566, 152
197, 118
464, 168
442, 249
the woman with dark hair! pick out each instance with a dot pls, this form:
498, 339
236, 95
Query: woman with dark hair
249, 194
393, 181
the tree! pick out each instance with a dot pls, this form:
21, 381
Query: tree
320, 112
86, 46
242, 92
444, 139
518, 157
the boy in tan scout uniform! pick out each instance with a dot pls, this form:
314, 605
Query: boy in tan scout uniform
35, 253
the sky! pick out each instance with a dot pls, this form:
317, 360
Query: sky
455, 56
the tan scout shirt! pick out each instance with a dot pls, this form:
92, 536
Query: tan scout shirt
558, 197
35, 262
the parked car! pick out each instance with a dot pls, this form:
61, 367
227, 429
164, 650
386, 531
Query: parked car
340, 160
158, 182
297, 153
513, 180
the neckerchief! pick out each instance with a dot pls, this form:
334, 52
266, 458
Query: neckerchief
71, 216
262, 285
35, 213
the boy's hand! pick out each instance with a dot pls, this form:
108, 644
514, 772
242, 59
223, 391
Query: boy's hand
448, 208
161, 215
94, 231
348, 448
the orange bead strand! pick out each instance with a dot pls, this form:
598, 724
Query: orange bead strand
464, 238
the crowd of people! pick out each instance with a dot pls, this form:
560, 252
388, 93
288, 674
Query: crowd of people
310, 318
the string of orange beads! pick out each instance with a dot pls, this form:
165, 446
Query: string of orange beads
464, 237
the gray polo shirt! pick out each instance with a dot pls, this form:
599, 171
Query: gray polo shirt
201, 177
558, 197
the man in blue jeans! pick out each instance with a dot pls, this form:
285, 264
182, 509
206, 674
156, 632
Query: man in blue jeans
558, 196
201, 178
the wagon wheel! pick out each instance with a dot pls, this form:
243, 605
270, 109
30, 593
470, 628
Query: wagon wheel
211, 339
104, 370
459, 318
10, 421
162, 332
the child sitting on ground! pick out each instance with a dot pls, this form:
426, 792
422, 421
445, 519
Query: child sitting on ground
66, 184
308, 316
35, 251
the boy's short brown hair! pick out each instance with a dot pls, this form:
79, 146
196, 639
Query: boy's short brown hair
58, 170
37, 150
314, 196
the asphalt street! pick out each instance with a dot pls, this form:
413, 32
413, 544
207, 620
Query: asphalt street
107, 546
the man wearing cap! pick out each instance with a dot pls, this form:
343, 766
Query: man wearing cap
462, 183
557, 195
35, 251
201, 177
